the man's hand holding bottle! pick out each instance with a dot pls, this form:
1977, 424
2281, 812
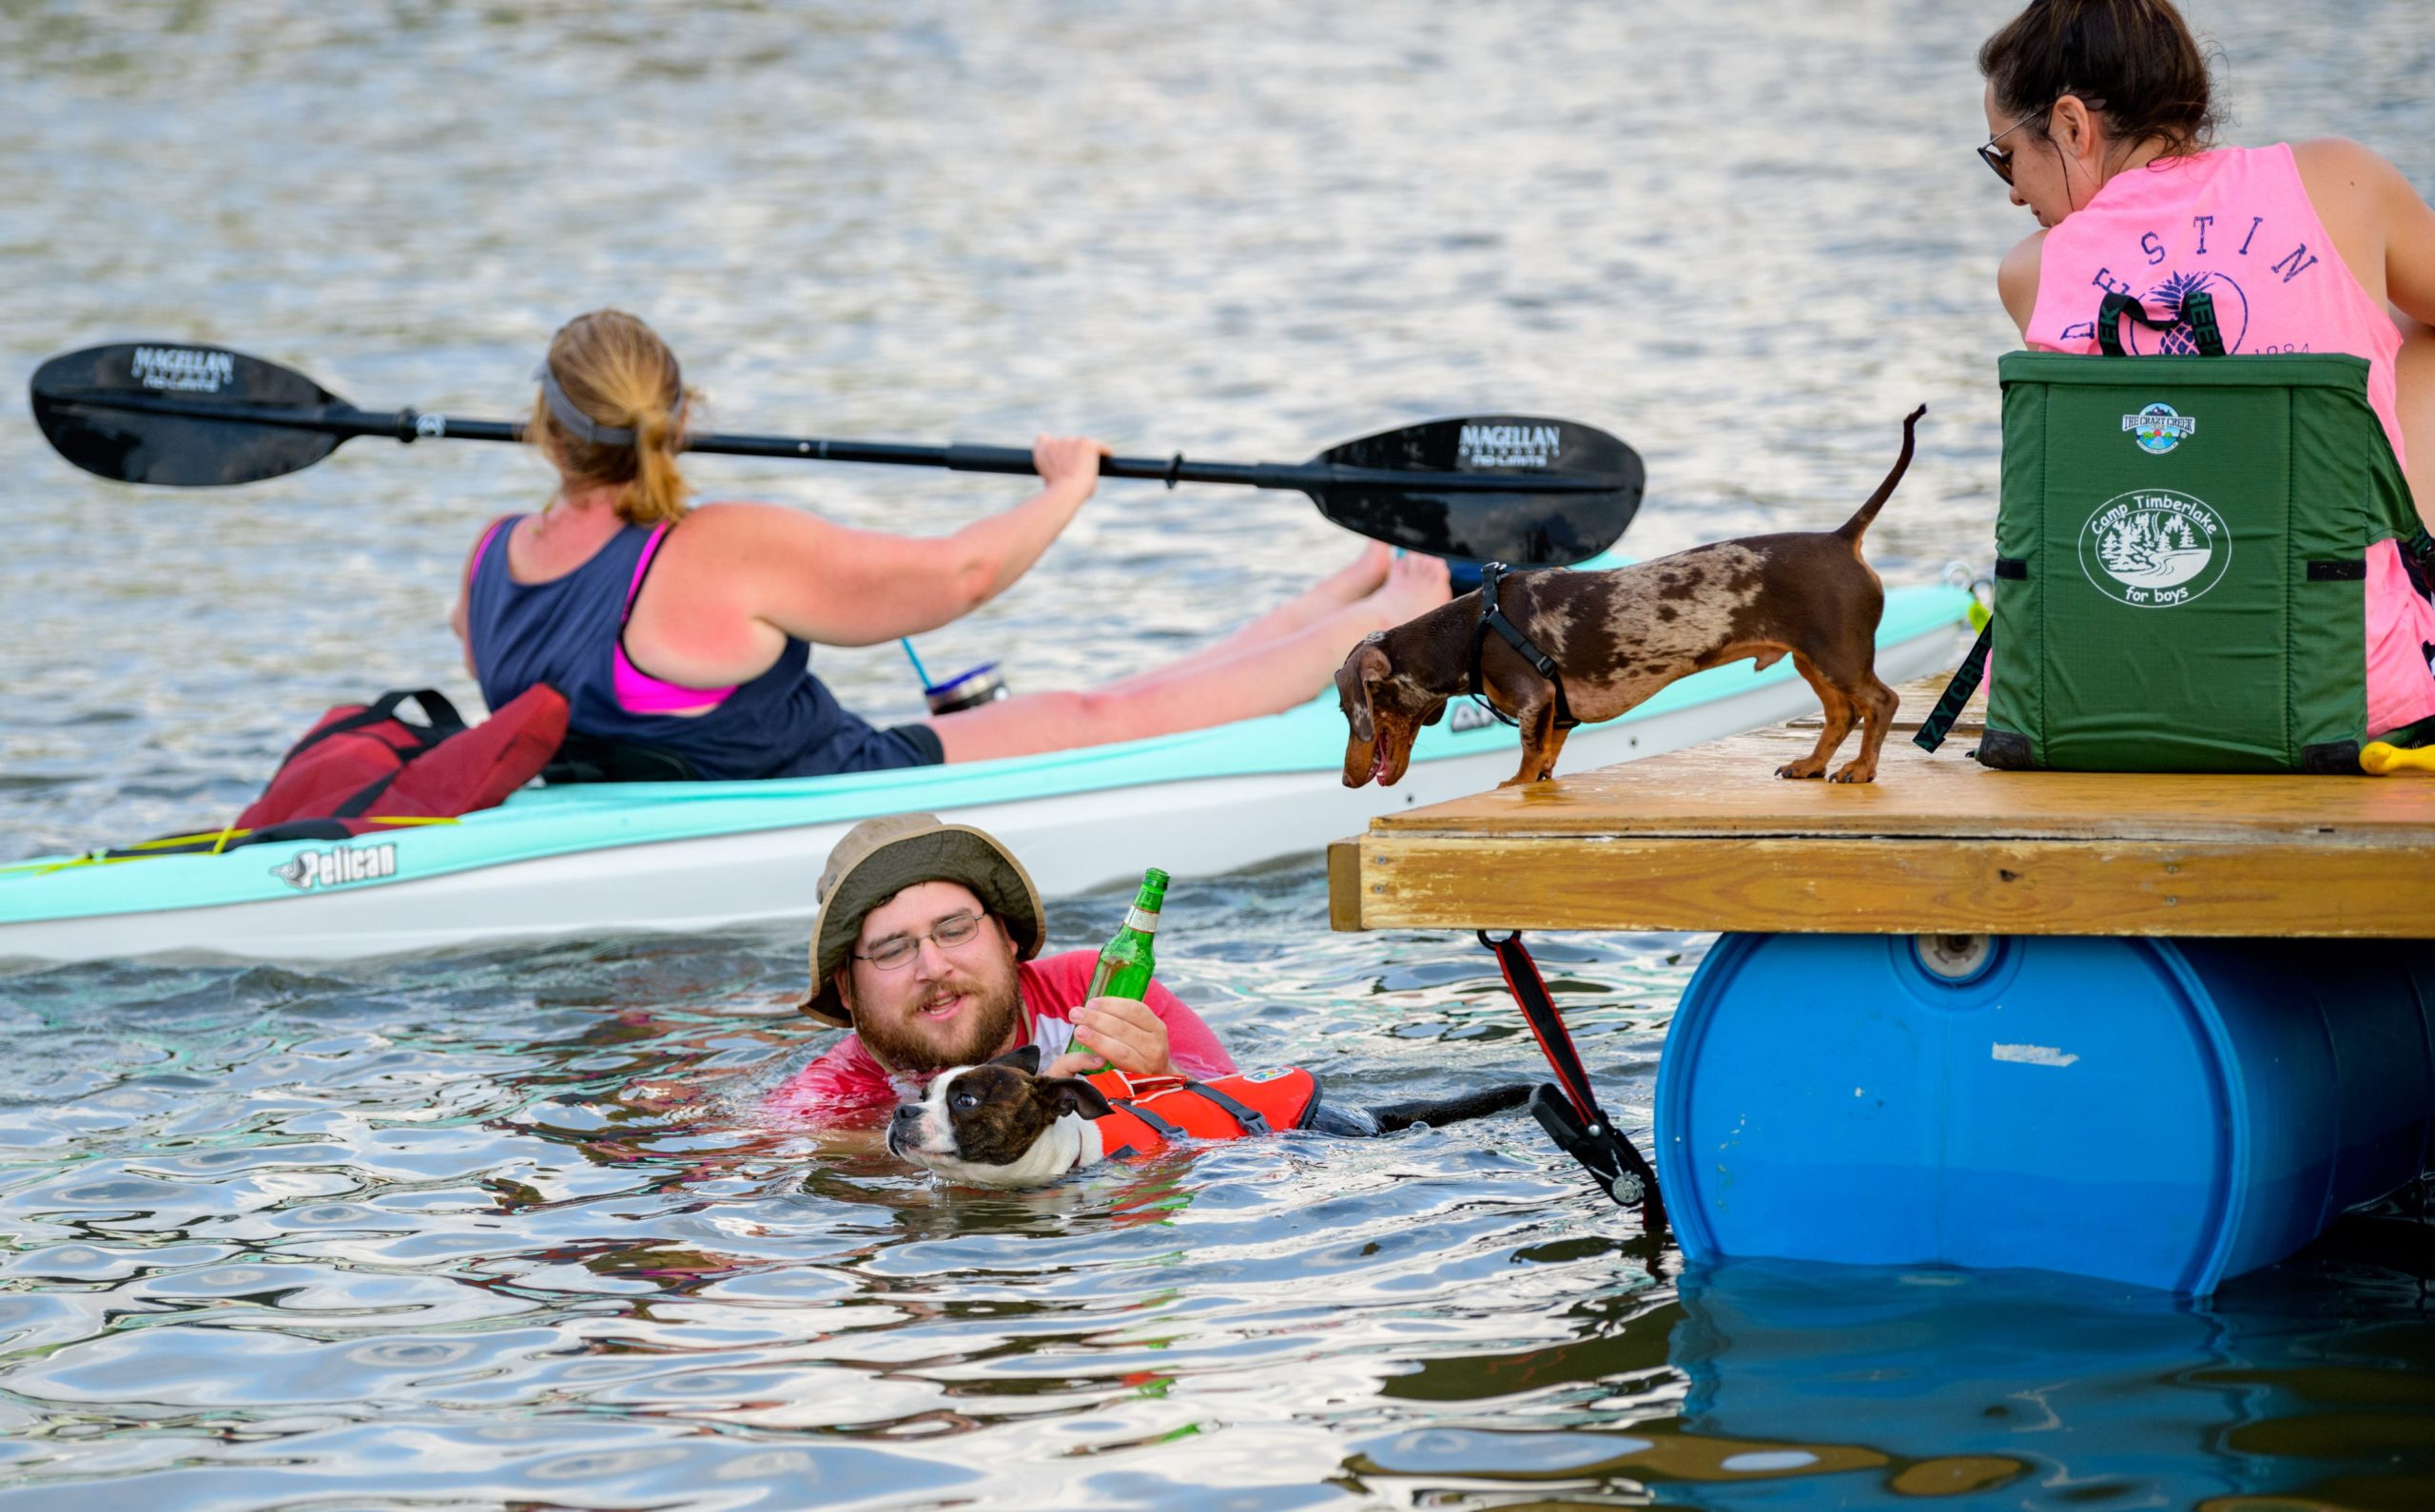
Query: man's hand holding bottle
1118, 1032
1114, 1027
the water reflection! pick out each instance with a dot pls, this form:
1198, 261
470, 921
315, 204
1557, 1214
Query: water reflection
2017, 1389
511, 1219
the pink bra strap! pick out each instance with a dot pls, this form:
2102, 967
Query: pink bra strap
490, 535
651, 549
638, 691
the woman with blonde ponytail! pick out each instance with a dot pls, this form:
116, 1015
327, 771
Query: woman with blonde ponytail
686, 651
2100, 121
609, 364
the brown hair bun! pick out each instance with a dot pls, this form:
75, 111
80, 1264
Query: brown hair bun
2134, 61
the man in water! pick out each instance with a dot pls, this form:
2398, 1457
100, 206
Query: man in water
926, 949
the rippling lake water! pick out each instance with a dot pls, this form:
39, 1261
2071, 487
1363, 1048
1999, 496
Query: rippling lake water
505, 1228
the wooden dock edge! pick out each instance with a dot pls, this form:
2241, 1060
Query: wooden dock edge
1701, 840
1823, 884
1344, 885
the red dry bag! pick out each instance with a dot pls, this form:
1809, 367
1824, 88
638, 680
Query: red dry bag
362, 762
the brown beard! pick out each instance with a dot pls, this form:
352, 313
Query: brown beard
902, 1046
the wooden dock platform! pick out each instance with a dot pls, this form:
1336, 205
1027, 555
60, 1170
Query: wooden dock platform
1710, 838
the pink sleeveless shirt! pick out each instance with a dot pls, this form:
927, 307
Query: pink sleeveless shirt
2238, 223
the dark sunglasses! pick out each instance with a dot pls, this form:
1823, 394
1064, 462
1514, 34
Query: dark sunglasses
2000, 159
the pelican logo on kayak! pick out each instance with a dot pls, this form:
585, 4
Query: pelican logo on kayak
2160, 428
1468, 717
336, 866
1507, 446
182, 369
2154, 549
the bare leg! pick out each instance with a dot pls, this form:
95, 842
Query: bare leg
2415, 371
1411, 586
1265, 677
1346, 586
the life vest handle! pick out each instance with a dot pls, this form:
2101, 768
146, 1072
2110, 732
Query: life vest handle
1124, 1086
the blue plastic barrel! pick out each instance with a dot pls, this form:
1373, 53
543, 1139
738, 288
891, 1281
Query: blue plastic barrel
2168, 1113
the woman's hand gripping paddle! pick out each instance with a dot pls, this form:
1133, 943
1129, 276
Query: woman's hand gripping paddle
1510, 488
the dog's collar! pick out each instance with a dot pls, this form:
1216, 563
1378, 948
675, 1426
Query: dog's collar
1492, 618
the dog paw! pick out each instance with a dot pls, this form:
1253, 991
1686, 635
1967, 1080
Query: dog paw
1800, 770
1855, 772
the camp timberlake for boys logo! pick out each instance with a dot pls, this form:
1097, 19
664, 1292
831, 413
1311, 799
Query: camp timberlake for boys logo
336, 866
2154, 549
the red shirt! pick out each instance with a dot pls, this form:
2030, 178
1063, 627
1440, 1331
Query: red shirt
847, 1085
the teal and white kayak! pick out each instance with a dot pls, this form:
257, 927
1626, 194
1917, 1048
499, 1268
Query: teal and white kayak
636, 857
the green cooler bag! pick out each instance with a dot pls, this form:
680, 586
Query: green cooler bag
2181, 563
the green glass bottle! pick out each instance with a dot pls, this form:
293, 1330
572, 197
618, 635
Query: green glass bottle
1125, 965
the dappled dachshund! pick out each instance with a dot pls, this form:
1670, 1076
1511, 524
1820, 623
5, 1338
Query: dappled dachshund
1551, 649
1003, 1124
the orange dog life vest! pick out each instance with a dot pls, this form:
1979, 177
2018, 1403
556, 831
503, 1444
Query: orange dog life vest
1147, 1112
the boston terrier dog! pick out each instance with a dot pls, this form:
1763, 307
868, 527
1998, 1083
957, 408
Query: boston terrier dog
1003, 1124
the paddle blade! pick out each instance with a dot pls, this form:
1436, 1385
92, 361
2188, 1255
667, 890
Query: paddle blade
92, 406
1574, 489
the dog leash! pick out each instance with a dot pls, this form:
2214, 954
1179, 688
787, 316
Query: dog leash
1492, 618
1973, 669
1568, 1109
1957, 694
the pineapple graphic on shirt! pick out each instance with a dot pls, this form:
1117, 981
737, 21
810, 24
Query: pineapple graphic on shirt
2231, 312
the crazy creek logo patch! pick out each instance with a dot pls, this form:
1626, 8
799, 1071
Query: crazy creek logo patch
1507, 446
182, 369
336, 866
2154, 549
2160, 428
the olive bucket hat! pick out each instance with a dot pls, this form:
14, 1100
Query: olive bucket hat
879, 857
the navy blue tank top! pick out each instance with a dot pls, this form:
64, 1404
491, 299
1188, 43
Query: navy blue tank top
784, 723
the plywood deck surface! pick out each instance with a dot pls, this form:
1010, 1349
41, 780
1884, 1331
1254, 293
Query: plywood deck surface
1710, 838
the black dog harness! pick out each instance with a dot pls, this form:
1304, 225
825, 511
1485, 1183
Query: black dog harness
1492, 618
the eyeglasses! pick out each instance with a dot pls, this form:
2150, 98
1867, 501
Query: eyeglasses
897, 952
2001, 161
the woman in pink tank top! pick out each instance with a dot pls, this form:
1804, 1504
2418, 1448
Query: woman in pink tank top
2099, 120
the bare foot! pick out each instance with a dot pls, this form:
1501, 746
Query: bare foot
1414, 585
1358, 579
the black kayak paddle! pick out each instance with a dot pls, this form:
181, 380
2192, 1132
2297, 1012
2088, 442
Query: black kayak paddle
1510, 488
